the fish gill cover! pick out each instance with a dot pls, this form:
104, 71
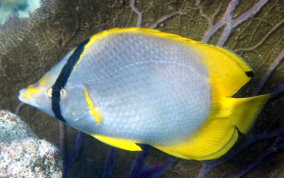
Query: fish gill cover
253, 29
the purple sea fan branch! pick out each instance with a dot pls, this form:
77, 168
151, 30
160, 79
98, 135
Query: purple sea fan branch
202, 13
158, 170
19, 107
229, 26
139, 163
213, 29
229, 22
61, 139
232, 23
74, 154
209, 18
136, 10
207, 166
263, 39
164, 18
277, 144
255, 9
268, 73
109, 164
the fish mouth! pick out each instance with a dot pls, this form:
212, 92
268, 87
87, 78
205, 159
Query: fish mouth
21, 93
24, 99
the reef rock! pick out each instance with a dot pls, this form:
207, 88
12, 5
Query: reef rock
22, 154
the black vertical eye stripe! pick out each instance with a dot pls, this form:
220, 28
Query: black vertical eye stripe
62, 79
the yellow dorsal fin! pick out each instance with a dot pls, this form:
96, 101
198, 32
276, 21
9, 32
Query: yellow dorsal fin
212, 141
228, 72
119, 143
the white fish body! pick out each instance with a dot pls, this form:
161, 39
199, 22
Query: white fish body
128, 86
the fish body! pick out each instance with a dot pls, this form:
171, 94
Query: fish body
134, 85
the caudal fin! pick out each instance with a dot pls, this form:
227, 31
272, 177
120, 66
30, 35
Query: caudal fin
216, 137
245, 110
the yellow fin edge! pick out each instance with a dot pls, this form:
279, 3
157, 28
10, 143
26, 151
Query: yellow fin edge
227, 70
244, 111
148, 31
212, 141
119, 143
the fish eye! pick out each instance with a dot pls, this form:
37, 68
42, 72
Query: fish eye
49, 93
62, 93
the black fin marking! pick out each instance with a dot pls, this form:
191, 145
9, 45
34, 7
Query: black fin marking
250, 73
63, 78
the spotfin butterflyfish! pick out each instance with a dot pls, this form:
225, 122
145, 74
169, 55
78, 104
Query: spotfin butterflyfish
133, 86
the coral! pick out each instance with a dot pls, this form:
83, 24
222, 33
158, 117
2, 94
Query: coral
22, 154
276, 62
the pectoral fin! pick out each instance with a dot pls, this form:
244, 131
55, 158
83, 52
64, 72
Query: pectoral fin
92, 109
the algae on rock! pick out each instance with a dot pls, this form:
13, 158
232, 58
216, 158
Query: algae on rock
22, 154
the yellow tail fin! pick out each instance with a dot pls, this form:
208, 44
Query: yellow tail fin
216, 137
245, 110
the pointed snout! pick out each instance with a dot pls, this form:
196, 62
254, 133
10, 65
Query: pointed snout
21, 94
26, 94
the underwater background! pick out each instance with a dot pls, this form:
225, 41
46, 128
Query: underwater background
31, 44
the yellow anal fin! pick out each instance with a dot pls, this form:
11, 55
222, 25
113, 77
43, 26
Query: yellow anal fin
212, 141
119, 143
243, 111
228, 72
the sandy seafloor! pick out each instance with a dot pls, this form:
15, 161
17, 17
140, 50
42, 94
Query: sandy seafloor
29, 47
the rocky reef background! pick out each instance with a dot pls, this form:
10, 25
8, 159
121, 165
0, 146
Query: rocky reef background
254, 29
22, 154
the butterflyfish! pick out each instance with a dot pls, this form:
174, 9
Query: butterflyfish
132, 86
